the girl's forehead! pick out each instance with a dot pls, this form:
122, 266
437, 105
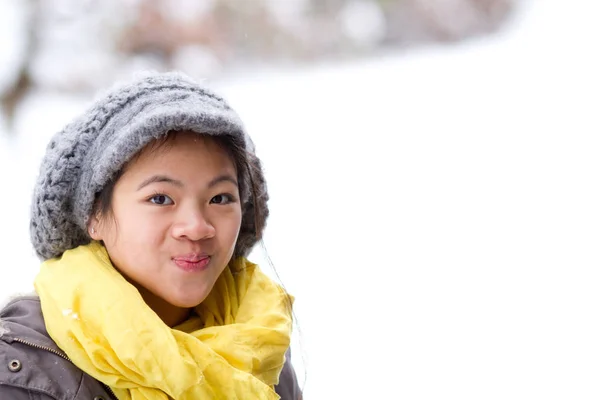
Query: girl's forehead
202, 154
178, 142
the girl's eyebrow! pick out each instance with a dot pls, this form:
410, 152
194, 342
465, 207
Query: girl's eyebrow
223, 178
160, 178
178, 183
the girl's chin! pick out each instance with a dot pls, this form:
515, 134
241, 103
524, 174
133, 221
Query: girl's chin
187, 302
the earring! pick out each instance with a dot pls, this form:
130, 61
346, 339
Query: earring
93, 230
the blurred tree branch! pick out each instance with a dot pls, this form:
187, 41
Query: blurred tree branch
80, 45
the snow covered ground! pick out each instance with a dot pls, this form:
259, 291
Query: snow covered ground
435, 213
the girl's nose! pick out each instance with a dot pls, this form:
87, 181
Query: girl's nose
194, 226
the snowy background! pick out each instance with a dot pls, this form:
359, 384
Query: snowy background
435, 212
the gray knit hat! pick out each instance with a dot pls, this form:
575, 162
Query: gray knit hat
82, 158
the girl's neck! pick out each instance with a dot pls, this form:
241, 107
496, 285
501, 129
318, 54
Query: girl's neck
171, 315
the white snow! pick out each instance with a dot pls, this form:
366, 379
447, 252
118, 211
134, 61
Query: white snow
75, 47
187, 11
288, 14
67, 312
197, 61
435, 213
363, 21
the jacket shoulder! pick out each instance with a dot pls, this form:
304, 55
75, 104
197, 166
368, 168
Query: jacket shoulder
35, 374
31, 364
23, 377
288, 388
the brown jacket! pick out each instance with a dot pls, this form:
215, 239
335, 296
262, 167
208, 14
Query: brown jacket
32, 367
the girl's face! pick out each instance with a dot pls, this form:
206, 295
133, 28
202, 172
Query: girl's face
176, 215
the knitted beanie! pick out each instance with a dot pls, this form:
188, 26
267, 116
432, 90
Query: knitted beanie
88, 153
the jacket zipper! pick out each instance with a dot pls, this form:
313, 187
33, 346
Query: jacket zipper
62, 355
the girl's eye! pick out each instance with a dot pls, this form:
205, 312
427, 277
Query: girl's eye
161, 200
222, 199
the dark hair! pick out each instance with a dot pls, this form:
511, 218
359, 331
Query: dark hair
249, 171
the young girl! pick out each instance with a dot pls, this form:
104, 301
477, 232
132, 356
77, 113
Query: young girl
144, 211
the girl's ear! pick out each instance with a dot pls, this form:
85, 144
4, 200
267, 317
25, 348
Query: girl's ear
93, 228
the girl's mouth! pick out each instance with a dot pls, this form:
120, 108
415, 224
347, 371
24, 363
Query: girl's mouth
192, 263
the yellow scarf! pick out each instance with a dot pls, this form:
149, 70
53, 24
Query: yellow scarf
234, 348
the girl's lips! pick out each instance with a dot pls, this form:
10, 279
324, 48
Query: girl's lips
192, 264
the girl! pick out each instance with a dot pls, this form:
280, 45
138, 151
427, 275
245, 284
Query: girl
144, 211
